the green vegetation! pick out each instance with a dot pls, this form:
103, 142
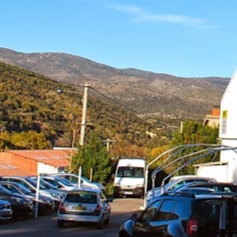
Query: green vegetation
30, 102
34, 115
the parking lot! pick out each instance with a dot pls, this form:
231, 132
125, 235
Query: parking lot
45, 226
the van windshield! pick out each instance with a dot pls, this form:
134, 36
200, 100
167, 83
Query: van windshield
134, 172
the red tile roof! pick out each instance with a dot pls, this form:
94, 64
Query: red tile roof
56, 158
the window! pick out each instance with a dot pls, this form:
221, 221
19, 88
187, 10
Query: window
151, 212
182, 209
166, 210
137, 172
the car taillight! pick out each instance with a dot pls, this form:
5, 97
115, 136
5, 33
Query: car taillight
98, 208
61, 207
192, 227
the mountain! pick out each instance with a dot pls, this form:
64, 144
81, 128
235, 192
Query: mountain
154, 94
33, 114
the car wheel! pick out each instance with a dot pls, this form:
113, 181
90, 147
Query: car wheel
99, 225
107, 220
60, 223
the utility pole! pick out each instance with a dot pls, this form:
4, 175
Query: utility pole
84, 110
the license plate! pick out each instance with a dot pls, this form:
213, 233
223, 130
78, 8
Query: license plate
126, 192
79, 208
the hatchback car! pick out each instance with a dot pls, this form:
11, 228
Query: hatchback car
84, 205
183, 215
5, 210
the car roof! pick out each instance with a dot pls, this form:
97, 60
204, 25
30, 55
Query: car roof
85, 189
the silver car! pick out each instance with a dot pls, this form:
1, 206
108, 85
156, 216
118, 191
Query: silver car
84, 205
5, 210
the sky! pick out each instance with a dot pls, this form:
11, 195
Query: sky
187, 38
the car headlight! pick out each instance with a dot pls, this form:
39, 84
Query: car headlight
19, 200
139, 185
56, 196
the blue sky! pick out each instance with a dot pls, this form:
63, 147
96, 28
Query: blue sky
189, 38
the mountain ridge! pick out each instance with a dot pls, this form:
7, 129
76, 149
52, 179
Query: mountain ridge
158, 94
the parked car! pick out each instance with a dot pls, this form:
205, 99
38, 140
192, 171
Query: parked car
45, 204
196, 190
174, 183
6, 210
183, 215
58, 182
21, 206
84, 205
73, 178
31, 184
217, 186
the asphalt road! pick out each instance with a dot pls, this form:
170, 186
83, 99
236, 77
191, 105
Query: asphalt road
45, 226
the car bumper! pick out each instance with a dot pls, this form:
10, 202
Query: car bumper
119, 192
6, 215
79, 218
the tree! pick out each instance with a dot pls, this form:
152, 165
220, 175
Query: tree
93, 158
194, 133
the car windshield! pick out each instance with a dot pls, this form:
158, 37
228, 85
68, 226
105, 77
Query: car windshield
64, 181
208, 208
34, 183
82, 197
134, 172
45, 183
2, 189
23, 189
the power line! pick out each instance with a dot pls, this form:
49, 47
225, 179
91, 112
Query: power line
126, 107
114, 101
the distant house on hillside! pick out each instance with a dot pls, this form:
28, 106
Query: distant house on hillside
213, 119
33, 162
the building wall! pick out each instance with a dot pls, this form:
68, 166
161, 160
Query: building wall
21, 162
44, 168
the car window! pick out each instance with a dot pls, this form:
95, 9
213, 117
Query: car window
82, 197
165, 212
102, 196
151, 212
208, 209
182, 209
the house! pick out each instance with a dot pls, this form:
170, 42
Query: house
213, 119
33, 162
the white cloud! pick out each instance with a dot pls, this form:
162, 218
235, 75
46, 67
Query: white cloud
141, 16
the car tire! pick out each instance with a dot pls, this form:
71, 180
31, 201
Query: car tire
99, 225
60, 223
107, 221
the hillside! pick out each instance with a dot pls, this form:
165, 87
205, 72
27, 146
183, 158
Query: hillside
161, 95
30, 101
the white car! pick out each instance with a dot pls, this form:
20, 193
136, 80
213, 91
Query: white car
73, 178
84, 205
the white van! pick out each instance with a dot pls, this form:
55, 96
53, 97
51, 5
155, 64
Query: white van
129, 179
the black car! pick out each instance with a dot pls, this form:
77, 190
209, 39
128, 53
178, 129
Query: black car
183, 215
22, 206
45, 204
